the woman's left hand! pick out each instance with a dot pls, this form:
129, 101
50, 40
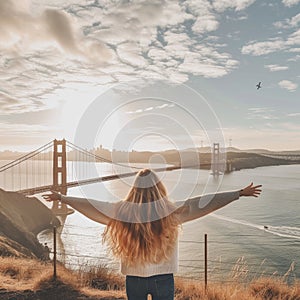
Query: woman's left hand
54, 196
251, 190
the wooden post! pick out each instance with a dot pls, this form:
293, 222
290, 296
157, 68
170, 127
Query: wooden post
54, 252
205, 261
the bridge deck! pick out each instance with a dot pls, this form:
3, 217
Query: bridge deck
46, 188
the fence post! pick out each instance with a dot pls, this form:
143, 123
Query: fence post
54, 252
205, 261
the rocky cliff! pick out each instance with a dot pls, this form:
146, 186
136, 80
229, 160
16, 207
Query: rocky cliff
21, 219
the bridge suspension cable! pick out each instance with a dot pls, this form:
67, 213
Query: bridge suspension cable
28, 171
26, 157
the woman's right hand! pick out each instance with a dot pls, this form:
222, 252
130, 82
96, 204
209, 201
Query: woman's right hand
54, 196
251, 190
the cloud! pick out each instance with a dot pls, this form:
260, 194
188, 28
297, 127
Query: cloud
208, 62
8, 102
262, 113
26, 136
294, 114
29, 129
273, 45
295, 58
294, 39
275, 68
288, 85
58, 25
205, 24
198, 7
160, 44
290, 3
262, 48
134, 21
288, 23
131, 53
150, 108
20, 27
221, 5
52, 29
294, 50
14, 105
54, 45
206, 13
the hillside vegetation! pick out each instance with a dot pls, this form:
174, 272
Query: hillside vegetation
21, 218
32, 279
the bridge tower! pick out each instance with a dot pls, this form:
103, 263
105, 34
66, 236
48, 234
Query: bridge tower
216, 160
60, 175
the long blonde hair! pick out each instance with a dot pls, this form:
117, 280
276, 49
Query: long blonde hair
145, 226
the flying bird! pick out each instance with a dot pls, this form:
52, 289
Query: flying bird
258, 86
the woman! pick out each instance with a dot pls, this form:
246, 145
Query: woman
142, 230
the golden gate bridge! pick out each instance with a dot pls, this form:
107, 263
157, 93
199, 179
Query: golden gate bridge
60, 164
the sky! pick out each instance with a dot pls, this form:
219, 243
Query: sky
150, 75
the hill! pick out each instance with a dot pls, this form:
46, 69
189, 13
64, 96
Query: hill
21, 219
245, 160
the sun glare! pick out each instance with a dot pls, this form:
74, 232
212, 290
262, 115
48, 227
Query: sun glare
75, 102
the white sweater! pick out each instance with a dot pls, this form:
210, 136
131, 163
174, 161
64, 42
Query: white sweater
198, 207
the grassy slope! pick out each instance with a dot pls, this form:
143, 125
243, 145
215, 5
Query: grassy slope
21, 218
31, 279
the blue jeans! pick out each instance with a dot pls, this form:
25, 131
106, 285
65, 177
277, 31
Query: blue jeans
161, 287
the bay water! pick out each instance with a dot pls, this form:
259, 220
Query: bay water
248, 238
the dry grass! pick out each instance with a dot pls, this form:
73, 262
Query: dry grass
260, 289
267, 288
190, 289
22, 275
34, 279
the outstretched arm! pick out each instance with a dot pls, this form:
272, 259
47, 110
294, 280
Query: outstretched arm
200, 206
98, 211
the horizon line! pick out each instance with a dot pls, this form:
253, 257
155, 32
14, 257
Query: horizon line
171, 149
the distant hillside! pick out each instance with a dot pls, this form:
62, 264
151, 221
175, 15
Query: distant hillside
263, 151
190, 156
244, 160
240, 160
